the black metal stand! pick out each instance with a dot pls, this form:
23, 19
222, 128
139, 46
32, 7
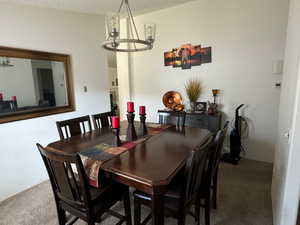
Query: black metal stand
116, 138
143, 128
131, 134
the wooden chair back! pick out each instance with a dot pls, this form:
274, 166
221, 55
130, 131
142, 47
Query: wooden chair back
68, 188
219, 142
172, 118
72, 127
102, 120
194, 171
214, 158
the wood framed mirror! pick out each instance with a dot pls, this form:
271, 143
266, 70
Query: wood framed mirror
34, 84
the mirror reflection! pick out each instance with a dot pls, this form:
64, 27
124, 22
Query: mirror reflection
31, 84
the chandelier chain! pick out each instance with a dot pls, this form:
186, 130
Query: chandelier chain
131, 31
132, 20
130, 23
122, 3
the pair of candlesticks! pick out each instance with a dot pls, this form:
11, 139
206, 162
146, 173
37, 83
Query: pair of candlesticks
13, 98
131, 133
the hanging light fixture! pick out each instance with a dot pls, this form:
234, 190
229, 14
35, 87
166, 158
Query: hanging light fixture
133, 44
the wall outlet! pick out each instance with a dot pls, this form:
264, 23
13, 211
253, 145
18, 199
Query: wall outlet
277, 84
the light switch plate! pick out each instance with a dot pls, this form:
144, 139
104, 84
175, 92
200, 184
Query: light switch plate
277, 67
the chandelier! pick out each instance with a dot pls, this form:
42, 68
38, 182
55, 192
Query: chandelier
133, 44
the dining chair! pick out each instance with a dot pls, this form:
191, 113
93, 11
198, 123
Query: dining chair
181, 194
74, 196
209, 182
217, 160
72, 127
102, 119
172, 118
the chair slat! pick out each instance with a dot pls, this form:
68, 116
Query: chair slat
73, 181
62, 179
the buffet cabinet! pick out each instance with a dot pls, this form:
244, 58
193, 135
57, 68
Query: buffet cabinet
194, 119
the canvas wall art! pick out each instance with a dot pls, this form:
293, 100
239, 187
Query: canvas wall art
187, 56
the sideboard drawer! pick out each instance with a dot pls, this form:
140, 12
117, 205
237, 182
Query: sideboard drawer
196, 121
210, 122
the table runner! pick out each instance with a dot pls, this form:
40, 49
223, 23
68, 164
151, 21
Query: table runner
93, 157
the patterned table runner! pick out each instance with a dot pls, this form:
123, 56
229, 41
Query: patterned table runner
92, 158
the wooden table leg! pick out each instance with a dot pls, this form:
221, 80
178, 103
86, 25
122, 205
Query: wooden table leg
157, 209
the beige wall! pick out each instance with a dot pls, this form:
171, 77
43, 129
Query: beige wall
79, 35
245, 36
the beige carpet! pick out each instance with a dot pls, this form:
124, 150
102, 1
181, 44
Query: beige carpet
244, 199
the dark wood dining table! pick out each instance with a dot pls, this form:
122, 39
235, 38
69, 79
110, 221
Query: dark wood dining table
149, 166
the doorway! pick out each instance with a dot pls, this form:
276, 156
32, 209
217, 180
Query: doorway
113, 82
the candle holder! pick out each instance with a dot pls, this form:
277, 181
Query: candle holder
215, 94
116, 138
131, 134
143, 128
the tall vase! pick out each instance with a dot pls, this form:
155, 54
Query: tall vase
193, 106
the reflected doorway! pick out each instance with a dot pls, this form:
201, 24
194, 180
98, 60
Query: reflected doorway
113, 82
46, 87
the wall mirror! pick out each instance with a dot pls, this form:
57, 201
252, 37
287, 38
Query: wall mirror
33, 84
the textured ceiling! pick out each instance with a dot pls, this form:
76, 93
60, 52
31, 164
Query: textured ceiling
100, 6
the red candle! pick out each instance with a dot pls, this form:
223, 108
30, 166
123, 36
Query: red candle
115, 122
130, 107
14, 98
1, 96
142, 110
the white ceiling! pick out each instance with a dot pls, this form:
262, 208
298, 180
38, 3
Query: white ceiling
100, 6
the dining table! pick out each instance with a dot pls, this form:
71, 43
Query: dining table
149, 165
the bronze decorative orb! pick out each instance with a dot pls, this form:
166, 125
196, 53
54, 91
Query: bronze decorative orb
178, 108
172, 100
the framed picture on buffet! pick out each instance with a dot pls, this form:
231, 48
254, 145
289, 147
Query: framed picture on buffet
200, 106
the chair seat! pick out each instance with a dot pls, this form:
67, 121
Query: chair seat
171, 197
171, 204
97, 192
102, 199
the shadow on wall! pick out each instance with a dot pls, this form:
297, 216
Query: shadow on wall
258, 149
253, 148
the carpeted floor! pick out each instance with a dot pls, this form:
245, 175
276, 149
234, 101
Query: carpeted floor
244, 199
